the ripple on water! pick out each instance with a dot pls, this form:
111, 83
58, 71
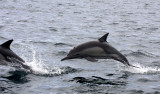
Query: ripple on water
140, 54
154, 28
98, 85
1, 26
94, 80
53, 29
62, 53
144, 80
2, 89
137, 91
17, 76
3, 38
61, 44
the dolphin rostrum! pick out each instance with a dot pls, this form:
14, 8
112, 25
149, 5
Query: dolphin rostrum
94, 50
8, 57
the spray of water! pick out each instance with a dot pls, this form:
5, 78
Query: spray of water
141, 69
37, 65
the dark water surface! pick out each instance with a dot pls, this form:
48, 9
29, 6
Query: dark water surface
45, 30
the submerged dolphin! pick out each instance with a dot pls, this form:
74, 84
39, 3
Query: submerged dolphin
94, 50
8, 57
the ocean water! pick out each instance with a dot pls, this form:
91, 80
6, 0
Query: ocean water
45, 30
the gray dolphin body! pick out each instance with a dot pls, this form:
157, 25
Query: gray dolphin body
94, 50
8, 57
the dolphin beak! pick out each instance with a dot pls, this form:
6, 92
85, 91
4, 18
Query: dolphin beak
69, 57
65, 58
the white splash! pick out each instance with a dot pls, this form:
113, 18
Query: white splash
37, 65
141, 69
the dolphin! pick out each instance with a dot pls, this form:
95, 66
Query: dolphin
8, 57
94, 50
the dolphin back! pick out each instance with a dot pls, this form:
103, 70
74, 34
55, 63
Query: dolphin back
7, 52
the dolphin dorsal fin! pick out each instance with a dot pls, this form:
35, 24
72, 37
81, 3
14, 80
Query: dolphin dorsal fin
7, 44
103, 38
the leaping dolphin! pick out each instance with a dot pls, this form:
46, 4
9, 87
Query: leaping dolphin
94, 50
8, 57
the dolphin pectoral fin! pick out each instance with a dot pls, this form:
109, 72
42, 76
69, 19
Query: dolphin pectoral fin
91, 59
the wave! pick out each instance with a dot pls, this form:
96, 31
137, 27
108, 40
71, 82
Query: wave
95, 80
61, 44
140, 53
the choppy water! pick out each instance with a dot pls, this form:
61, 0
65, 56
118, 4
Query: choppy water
45, 30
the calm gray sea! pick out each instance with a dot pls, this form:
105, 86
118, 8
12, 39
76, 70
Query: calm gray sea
45, 30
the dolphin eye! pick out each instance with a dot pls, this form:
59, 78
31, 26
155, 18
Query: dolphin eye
78, 54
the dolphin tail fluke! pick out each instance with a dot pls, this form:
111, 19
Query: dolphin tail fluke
128, 64
125, 62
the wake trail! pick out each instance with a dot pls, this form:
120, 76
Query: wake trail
138, 68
